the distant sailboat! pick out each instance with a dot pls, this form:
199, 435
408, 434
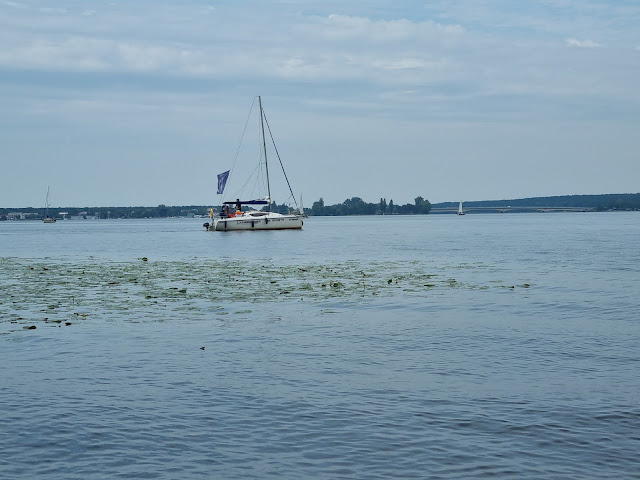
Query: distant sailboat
460, 211
47, 218
301, 210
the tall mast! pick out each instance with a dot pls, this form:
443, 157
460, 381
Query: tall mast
264, 146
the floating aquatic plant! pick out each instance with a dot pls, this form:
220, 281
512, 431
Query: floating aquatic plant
157, 290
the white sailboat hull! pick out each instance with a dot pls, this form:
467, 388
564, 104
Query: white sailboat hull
270, 221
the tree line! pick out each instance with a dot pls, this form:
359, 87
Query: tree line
161, 211
351, 206
602, 203
357, 206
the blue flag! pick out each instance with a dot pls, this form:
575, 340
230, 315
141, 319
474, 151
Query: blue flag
222, 181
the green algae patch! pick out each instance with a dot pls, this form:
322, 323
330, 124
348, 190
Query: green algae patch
56, 292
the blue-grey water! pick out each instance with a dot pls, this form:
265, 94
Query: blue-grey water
483, 346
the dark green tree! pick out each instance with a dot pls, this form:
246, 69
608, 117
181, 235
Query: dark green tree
160, 211
318, 207
422, 205
382, 206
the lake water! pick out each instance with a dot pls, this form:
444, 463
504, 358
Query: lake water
438, 346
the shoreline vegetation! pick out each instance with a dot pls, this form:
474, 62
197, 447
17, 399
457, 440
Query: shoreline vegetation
353, 206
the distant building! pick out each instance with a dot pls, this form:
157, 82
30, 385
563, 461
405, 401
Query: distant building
22, 216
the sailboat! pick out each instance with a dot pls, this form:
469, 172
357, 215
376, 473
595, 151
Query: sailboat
240, 214
460, 211
301, 210
47, 218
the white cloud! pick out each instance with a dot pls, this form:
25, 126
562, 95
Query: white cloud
572, 42
14, 4
341, 27
454, 54
454, 67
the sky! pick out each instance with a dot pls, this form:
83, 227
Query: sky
144, 102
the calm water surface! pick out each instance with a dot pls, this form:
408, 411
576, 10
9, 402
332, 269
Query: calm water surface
483, 346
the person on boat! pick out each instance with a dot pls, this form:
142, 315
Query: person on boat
238, 207
224, 211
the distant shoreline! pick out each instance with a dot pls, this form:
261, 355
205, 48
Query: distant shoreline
564, 203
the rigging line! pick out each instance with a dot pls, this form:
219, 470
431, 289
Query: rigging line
279, 159
245, 187
235, 159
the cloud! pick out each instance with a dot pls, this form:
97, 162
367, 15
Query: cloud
204, 41
458, 55
572, 42
342, 27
